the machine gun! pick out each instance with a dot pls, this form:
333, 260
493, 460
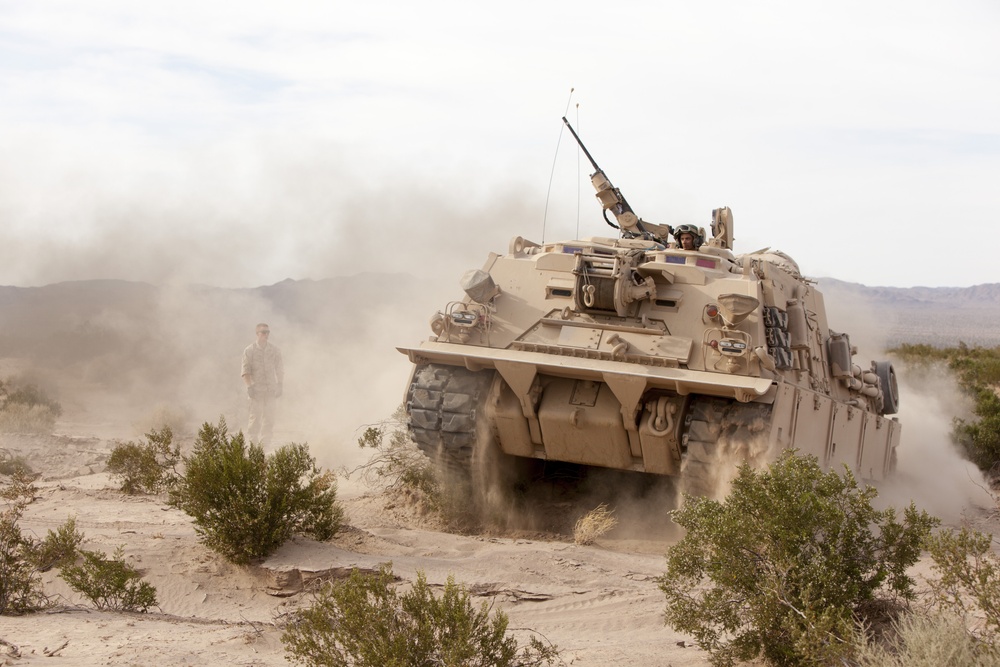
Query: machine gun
629, 224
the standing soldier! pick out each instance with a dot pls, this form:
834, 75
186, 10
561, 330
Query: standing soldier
263, 373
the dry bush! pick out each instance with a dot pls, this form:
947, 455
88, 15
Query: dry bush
25, 408
968, 578
21, 418
395, 461
11, 463
929, 641
593, 524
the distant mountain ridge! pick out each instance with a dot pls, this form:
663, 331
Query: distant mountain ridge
939, 316
945, 296
57, 320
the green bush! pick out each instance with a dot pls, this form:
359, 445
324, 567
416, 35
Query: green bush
785, 567
146, 467
20, 488
245, 504
110, 583
364, 621
980, 438
20, 585
59, 548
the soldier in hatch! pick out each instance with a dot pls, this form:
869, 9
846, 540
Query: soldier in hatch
687, 237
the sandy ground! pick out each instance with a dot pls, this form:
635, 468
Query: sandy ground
599, 604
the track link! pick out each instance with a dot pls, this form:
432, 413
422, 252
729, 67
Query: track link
443, 404
720, 435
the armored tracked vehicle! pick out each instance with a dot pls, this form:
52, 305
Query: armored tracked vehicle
634, 353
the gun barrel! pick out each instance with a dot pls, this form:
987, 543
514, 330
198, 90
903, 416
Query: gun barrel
582, 147
611, 199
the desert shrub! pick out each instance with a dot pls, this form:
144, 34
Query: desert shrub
146, 467
929, 641
967, 579
20, 585
24, 408
593, 524
396, 464
20, 488
11, 463
110, 583
246, 504
21, 393
364, 621
59, 548
980, 437
20, 418
785, 566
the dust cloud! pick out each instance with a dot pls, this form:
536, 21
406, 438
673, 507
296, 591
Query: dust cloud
527, 497
930, 470
142, 279
120, 369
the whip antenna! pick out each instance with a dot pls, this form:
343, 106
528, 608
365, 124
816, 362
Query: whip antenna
578, 179
548, 193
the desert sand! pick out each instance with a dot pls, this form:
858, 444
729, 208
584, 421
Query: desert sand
600, 604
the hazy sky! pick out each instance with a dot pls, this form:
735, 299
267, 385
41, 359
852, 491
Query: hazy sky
239, 144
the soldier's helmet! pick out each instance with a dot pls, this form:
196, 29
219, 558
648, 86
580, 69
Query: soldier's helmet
688, 229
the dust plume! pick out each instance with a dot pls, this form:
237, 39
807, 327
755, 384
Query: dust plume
930, 470
151, 274
527, 497
121, 357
